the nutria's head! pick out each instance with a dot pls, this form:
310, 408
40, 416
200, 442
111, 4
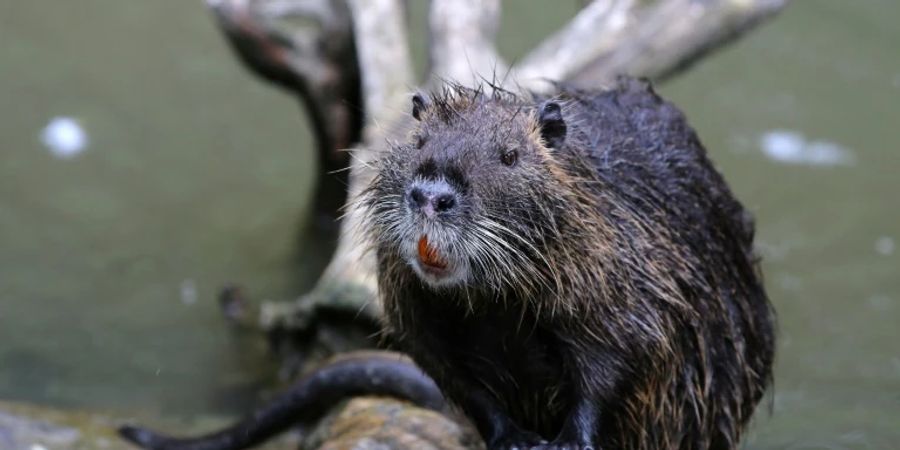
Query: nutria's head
473, 196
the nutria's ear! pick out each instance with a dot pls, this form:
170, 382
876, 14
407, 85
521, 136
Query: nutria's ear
553, 127
419, 105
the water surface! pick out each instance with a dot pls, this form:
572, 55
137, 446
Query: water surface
195, 175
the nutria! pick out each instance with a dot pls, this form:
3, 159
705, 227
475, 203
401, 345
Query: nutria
572, 270
355, 373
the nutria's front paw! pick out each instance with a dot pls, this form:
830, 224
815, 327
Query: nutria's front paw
568, 446
547, 446
520, 440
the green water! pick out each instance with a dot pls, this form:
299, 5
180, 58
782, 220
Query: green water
196, 175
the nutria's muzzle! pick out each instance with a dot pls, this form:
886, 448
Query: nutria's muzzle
431, 197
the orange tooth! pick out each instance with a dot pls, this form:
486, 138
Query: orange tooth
429, 255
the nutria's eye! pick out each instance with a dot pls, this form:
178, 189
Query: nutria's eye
420, 141
509, 157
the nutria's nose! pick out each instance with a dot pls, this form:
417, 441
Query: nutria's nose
431, 197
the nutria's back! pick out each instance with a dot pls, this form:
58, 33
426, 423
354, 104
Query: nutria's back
651, 159
594, 222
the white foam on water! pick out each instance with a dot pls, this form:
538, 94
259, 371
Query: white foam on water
885, 245
188, 290
792, 147
64, 137
880, 302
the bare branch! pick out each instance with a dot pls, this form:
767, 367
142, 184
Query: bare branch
591, 34
315, 59
381, 37
462, 41
651, 39
660, 46
384, 57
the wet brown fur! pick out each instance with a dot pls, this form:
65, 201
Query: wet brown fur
617, 268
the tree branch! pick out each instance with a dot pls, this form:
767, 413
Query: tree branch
316, 60
462, 41
381, 36
658, 45
384, 58
650, 39
587, 37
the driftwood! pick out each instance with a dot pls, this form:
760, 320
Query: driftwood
349, 63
